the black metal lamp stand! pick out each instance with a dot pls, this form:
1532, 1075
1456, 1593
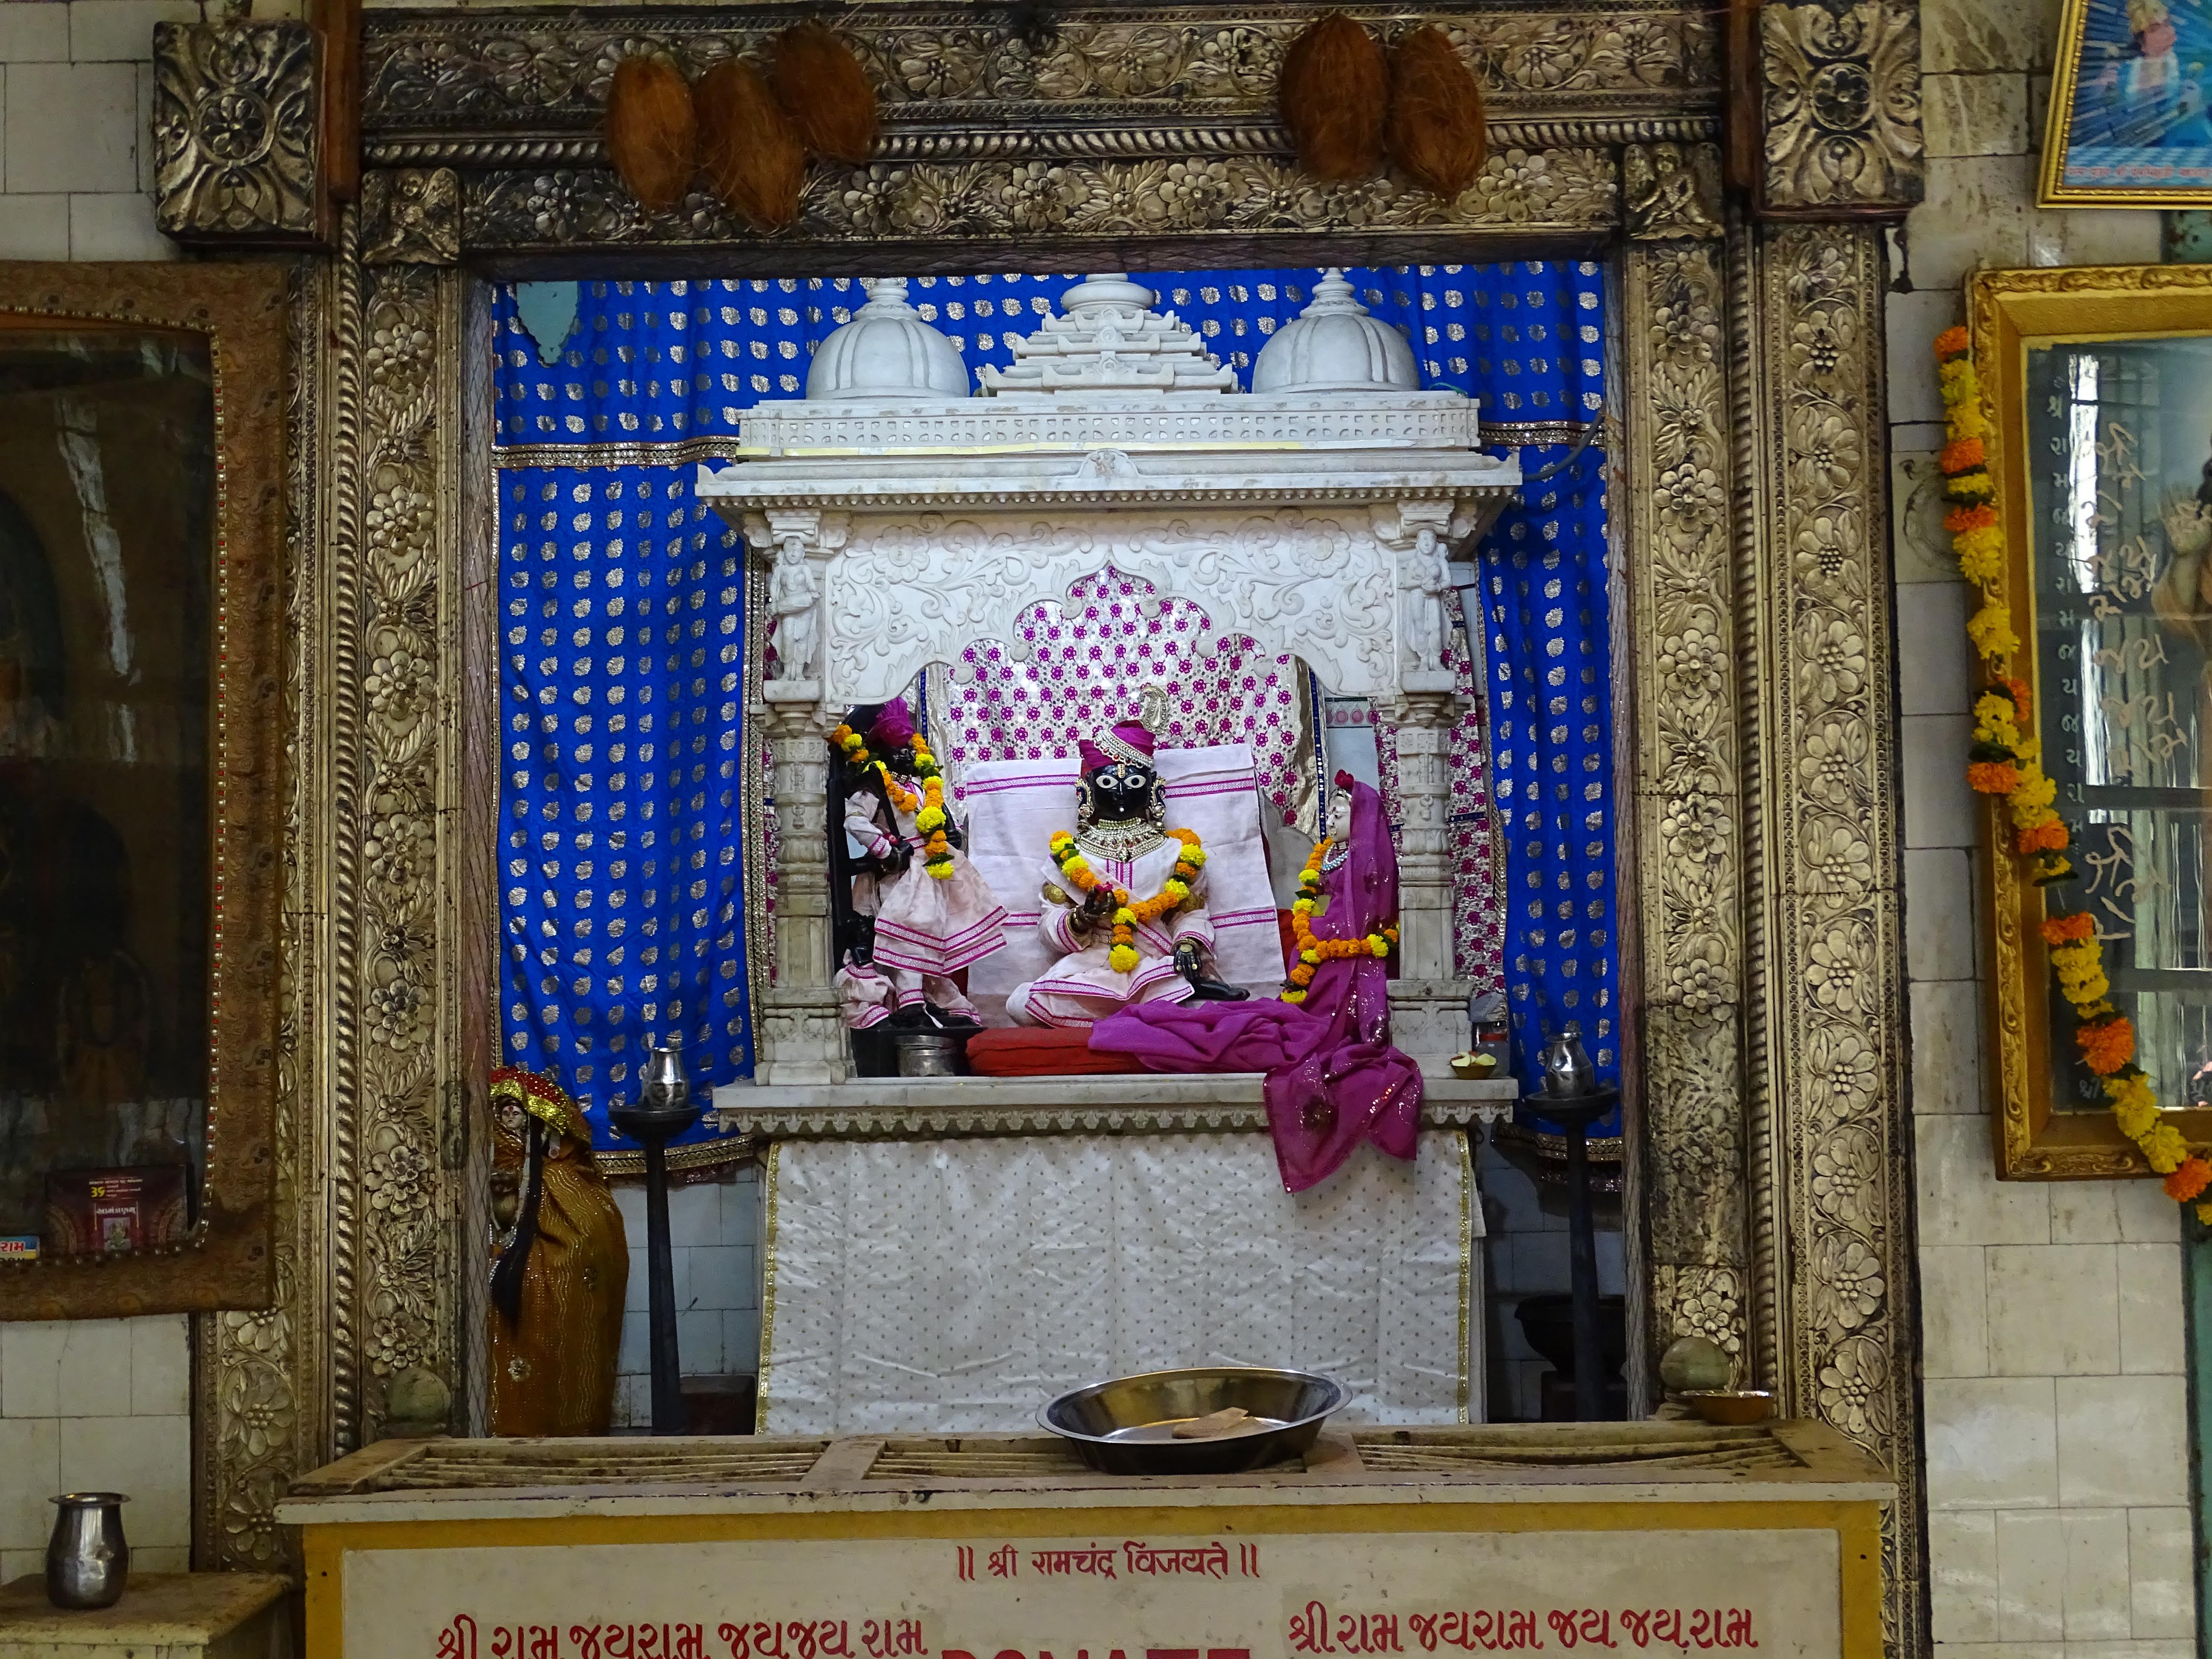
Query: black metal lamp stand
664, 1110
1574, 1114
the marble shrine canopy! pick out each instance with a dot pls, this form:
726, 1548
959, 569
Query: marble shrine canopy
907, 519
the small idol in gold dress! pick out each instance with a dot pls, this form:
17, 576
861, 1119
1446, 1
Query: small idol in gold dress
562, 1269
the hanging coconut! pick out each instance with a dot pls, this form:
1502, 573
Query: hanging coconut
752, 157
1333, 93
827, 94
1436, 130
653, 137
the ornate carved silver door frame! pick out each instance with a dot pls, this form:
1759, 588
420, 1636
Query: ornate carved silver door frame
1769, 1195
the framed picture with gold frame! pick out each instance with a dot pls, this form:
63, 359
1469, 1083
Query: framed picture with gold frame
141, 766
2131, 118
2097, 384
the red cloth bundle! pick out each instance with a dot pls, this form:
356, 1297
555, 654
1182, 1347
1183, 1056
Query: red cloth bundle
1042, 1051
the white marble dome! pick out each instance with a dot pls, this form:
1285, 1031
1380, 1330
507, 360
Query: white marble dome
886, 351
1333, 345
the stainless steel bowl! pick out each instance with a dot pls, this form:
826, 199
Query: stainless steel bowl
1128, 1426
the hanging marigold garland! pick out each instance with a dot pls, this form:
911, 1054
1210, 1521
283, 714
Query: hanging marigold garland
853, 745
1312, 952
928, 806
2006, 762
1173, 892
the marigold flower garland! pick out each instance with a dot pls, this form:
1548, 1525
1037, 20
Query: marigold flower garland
930, 819
2006, 762
1312, 952
1127, 914
853, 746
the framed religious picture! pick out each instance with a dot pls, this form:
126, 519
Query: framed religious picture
141, 438
2093, 642
2130, 119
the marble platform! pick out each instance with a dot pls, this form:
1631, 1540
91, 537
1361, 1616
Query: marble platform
1135, 1103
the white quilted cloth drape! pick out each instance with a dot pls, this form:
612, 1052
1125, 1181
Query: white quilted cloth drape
955, 1286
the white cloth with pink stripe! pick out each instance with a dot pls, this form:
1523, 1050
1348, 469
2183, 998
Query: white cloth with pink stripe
1015, 807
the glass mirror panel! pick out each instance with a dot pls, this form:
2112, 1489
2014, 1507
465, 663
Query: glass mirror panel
2119, 461
108, 492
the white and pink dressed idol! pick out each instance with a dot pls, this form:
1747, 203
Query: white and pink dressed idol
933, 913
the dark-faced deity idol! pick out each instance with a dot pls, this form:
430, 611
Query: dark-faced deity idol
1124, 898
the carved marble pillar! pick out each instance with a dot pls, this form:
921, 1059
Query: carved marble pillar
801, 1039
1428, 1001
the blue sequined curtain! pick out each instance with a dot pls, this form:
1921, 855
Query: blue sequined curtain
1542, 599
626, 883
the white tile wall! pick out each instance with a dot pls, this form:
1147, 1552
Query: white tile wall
95, 1403
2051, 1316
713, 1239
77, 165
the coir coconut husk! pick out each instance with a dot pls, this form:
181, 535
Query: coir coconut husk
1436, 130
752, 156
1333, 93
827, 94
653, 137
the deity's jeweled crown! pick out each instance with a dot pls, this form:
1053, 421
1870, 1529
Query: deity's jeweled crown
1127, 743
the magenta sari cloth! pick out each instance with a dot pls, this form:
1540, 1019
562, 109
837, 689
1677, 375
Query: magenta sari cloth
1333, 1080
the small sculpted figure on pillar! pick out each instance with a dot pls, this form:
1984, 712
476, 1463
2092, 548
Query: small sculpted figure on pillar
793, 590
1124, 898
1428, 579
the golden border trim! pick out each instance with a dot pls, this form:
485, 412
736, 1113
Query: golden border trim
772, 1175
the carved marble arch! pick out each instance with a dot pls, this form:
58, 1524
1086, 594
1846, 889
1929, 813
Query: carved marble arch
1758, 832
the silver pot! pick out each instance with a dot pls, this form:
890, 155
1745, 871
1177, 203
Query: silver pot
87, 1560
929, 1054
